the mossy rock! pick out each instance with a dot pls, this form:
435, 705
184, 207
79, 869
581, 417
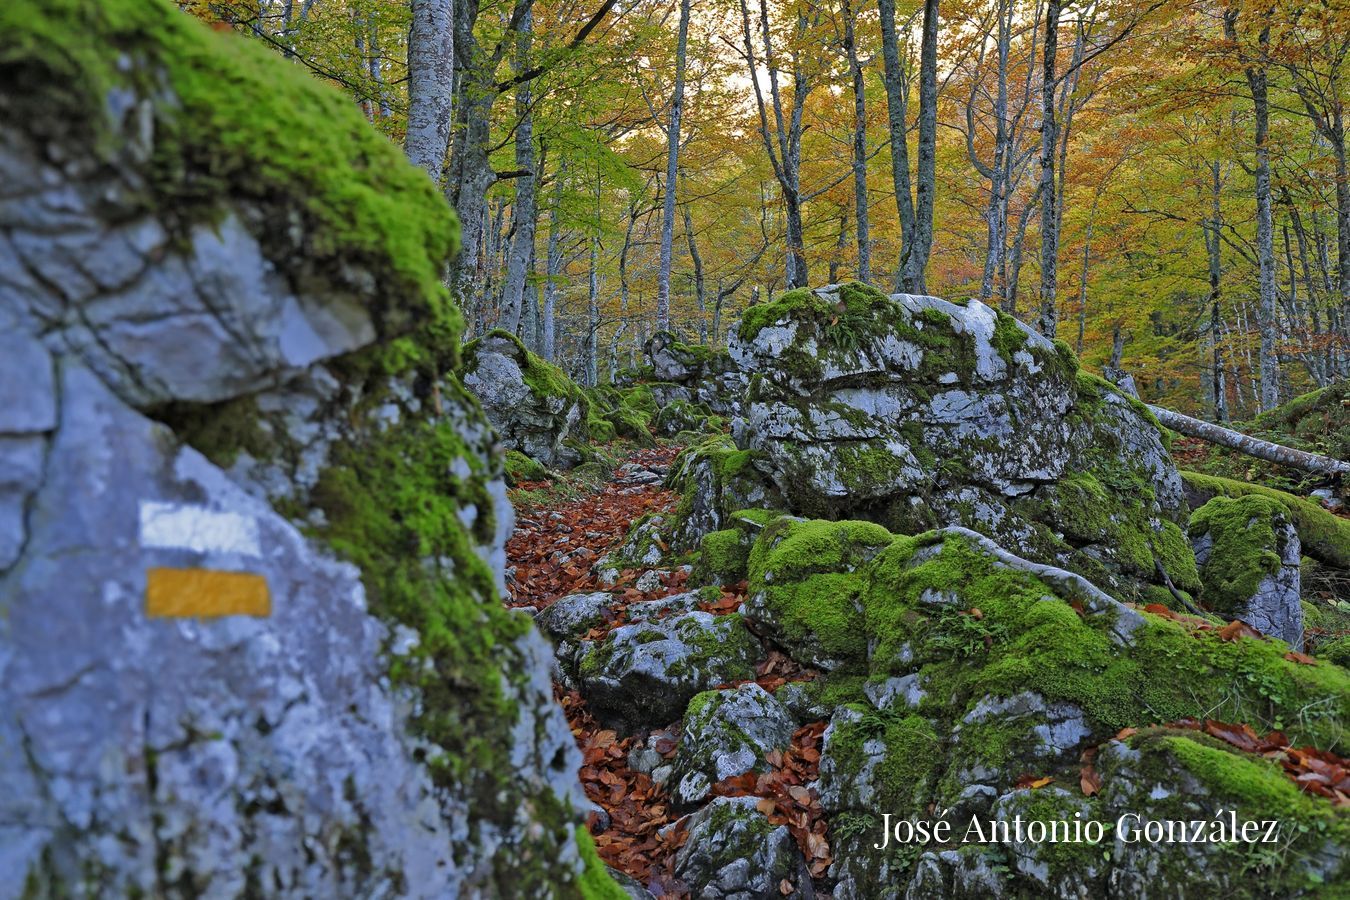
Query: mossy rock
334, 205
1020, 674
1324, 536
914, 412
520, 468
532, 403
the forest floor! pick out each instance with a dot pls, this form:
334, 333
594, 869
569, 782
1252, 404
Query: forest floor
551, 555
563, 528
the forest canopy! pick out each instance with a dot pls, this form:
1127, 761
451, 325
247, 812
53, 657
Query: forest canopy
1160, 184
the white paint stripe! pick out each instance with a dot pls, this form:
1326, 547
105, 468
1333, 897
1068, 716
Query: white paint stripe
183, 527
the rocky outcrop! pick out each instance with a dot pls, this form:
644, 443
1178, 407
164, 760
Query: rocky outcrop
692, 373
715, 480
204, 352
534, 407
1248, 554
733, 852
914, 412
955, 668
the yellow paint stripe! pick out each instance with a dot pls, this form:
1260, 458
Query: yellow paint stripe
180, 593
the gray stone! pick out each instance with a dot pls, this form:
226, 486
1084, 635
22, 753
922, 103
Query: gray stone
727, 733
497, 370
572, 616
647, 672
733, 853
1274, 606
934, 413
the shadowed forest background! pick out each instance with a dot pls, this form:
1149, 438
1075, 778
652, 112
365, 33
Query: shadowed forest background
1160, 184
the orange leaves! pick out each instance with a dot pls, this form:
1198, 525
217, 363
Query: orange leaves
553, 550
1089, 779
784, 797
1031, 781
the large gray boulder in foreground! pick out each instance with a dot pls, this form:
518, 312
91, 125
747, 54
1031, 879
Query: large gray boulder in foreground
196, 699
915, 412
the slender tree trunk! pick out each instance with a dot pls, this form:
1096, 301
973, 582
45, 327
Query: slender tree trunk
996, 215
431, 72
553, 265
1213, 227
1255, 71
859, 149
1048, 320
672, 173
785, 153
523, 210
925, 182
897, 115
700, 293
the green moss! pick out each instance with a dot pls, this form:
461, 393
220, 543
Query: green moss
1009, 336
804, 573
1245, 548
234, 123
595, 883
520, 467
1336, 651
632, 423
904, 777
1325, 537
724, 556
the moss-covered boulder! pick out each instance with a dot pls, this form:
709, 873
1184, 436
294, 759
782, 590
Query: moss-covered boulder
1324, 536
686, 416
715, 479
645, 673
733, 851
725, 734
694, 373
964, 669
534, 406
251, 636
1248, 553
914, 412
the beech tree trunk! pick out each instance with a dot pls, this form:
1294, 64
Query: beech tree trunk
523, 209
916, 211
1243, 443
431, 84
672, 173
859, 149
1048, 320
1255, 71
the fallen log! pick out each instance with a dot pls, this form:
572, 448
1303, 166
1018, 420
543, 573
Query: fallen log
1245, 443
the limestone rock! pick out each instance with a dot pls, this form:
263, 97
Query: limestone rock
733, 853
195, 696
715, 480
534, 406
915, 412
1249, 552
727, 733
695, 374
647, 672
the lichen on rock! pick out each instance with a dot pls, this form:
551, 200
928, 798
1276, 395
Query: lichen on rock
914, 412
222, 291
